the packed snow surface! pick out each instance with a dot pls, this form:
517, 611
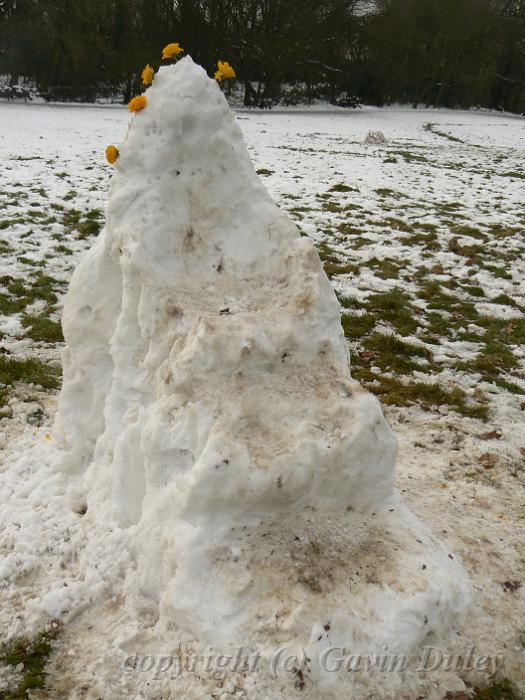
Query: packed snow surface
368, 578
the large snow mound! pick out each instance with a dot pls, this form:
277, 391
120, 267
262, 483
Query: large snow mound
208, 410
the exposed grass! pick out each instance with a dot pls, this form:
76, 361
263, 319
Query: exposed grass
502, 231
29, 371
504, 299
338, 268
471, 231
430, 396
398, 224
494, 358
474, 291
411, 157
394, 355
43, 329
429, 241
350, 302
7, 223
473, 252
432, 128
34, 655
341, 187
86, 224
332, 207
384, 268
357, 326
326, 254
348, 230
501, 689
22, 293
515, 175
395, 307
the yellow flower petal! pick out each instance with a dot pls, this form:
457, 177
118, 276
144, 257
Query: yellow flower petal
147, 75
112, 154
171, 51
137, 103
225, 71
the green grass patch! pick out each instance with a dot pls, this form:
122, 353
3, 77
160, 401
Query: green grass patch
502, 231
398, 224
63, 249
43, 329
332, 207
432, 292
356, 327
394, 306
515, 175
392, 392
431, 127
410, 157
88, 223
465, 230
34, 655
29, 371
350, 302
473, 252
326, 253
500, 689
474, 291
338, 268
395, 355
504, 299
511, 387
22, 293
89, 228
7, 223
384, 268
341, 187
427, 240
496, 357
500, 272
348, 230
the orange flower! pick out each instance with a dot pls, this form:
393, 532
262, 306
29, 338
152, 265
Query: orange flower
171, 51
224, 72
112, 154
137, 103
147, 75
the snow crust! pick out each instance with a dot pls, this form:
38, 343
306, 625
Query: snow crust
208, 410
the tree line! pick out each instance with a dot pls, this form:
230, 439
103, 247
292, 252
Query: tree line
453, 53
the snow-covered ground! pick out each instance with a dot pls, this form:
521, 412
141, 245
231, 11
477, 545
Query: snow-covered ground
423, 238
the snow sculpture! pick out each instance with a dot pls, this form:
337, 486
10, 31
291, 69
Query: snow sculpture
208, 407
375, 138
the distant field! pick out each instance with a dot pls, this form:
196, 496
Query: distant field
423, 238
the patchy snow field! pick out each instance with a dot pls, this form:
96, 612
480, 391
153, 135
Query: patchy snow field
424, 240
